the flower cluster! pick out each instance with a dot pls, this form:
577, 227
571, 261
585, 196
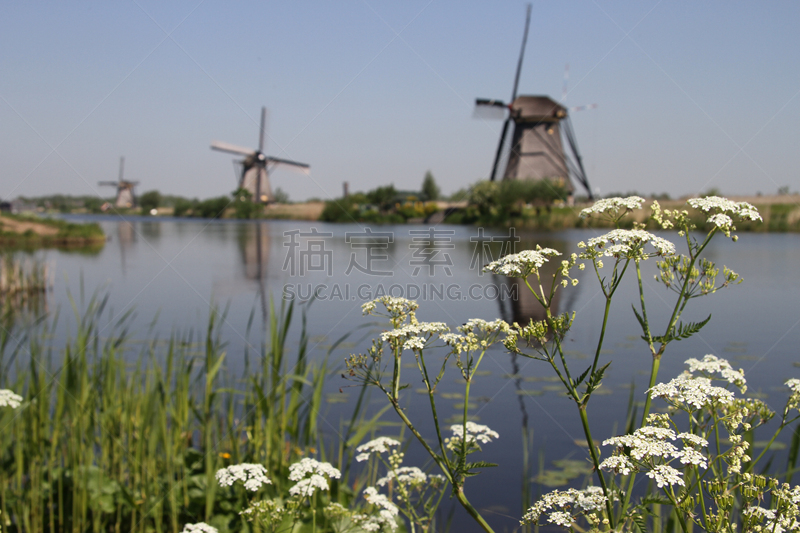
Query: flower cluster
562, 505
399, 309
311, 475
612, 206
690, 393
476, 433
522, 264
200, 527
377, 445
407, 475
715, 365
386, 516
9, 399
252, 475
650, 443
626, 243
721, 210
409, 334
269, 512
794, 398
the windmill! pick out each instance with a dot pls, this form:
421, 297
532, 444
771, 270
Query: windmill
537, 151
256, 166
125, 195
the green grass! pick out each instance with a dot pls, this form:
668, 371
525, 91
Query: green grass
105, 444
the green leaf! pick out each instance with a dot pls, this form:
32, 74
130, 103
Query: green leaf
684, 331
479, 464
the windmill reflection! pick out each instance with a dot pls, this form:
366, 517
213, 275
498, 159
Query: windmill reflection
126, 236
254, 244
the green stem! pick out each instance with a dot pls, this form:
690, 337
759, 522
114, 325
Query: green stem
596, 460
462, 499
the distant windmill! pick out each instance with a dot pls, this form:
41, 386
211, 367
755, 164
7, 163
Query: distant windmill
125, 195
537, 151
256, 166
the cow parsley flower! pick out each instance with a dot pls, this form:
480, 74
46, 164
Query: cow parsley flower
691, 393
252, 475
377, 445
478, 325
716, 365
719, 205
562, 503
306, 487
619, 464
627, 243
392, 305
612, 206
200, 527
407, 475
386, 516
307, 465
522, 264
409, 331
9, 399
665, 475
475, 432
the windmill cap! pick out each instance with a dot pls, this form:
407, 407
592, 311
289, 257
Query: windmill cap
540, 108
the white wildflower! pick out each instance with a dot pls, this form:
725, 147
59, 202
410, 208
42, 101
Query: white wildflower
695, 440
628, 243
392, 304
743, 210
307, 486
377, 445
522, 264
478, 325
794, 384
690, 456
409, 331
716, 365
252, 475
619, 464
307, 465
414, 343
665, 475
613, 206
561, 502
475, 432
408, 475
9, 399
200, 527
691, 393
385, 517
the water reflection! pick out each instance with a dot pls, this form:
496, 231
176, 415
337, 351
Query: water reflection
126, 236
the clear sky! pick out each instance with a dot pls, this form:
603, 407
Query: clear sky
691, 95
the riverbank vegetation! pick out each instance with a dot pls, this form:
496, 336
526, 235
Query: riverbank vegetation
30, 231
107, 440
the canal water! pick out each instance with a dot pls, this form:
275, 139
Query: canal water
175, 270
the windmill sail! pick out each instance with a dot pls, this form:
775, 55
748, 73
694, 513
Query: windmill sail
256, 166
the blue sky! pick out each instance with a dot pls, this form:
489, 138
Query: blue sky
691, 95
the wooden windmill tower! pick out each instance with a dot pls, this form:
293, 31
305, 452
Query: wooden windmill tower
537, 151
125, 195
256, 166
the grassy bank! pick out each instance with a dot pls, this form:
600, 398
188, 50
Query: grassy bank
27, 231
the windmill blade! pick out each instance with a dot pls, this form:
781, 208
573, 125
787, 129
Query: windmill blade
573, 144
292, 165
564, 87
486, 112
521, 53
262, 131
112, 183
231, 148
121, 167
499, 149
487, 102
582, 107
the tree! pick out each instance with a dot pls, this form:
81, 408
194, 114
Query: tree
430, 191
150, 200
279, 196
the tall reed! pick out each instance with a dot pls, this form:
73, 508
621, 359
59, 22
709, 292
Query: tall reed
105, 444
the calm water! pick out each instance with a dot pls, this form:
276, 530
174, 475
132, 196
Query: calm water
179, 268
